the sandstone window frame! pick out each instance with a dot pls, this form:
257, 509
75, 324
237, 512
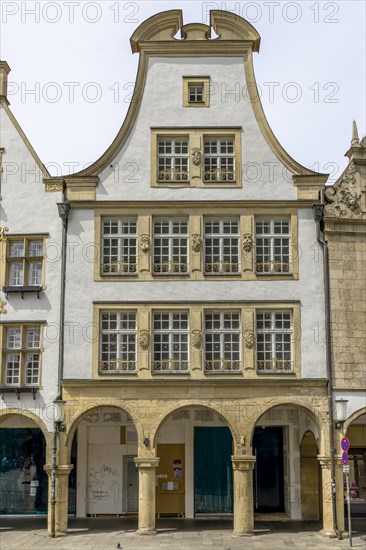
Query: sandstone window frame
221, 249
275, 266
295, 341
196, 338
196, 138
190, 82
125, 241
25, 260
165, 246
125, 342
172, 160
175, 337
220, 336
27, 363
196, 214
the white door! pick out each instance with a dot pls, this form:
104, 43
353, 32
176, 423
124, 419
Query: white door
131, 485
104, 491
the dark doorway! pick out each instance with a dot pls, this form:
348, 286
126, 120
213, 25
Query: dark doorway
213, 477
268, 472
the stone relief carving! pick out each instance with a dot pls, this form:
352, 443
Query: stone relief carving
248, 242
3, 237
53, 187
249, 339
197, 339
2, 306
343, 198
196, 156
145, 243
196, 242
144, 340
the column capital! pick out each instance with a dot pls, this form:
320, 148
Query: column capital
147, 463
60, 470
243, 463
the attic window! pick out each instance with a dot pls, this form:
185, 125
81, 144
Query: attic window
196, 91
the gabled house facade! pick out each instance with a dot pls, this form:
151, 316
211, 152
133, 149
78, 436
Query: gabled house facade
188, 298
30, 245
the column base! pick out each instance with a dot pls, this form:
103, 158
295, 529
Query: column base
146, 531
241, 534
328, 533
57, 535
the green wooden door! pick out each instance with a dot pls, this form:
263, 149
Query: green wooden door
213, 477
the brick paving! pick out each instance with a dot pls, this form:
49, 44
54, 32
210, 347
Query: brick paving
106, 534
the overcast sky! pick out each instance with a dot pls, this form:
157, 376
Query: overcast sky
73, 73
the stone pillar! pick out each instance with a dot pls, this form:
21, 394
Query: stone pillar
328, 529
339, 493
243, 495
147, 467
62, 499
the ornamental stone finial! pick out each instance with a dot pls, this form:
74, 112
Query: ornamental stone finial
355, 138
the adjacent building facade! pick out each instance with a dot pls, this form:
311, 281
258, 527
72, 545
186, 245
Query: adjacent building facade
193, 380
344, 230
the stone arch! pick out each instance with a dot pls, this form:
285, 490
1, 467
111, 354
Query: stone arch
354, 417
267, 406
192, 403
5, 414
85, 410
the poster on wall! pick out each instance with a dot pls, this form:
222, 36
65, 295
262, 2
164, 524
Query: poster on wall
177, 467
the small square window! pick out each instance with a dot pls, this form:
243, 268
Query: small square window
196, 91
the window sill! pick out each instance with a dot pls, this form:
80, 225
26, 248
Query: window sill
22, 290
222, 274
19, 390
220, 373
274, 373
170, 373
119, 374
170, 274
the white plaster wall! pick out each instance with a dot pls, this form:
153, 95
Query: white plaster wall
264, 177
356, 400
26, 208
82, 291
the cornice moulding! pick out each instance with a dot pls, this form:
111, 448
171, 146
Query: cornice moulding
260, 204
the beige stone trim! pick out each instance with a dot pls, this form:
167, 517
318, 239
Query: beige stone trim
243, 462
309, 186
159, 31
204, 81
79, 188
196, 215
195, 140
196, 353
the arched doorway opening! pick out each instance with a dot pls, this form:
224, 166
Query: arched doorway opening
23, 481
194, 476
104, 480
356, 433
310, 478
276, 443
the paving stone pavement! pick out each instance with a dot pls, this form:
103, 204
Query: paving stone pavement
106, 534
